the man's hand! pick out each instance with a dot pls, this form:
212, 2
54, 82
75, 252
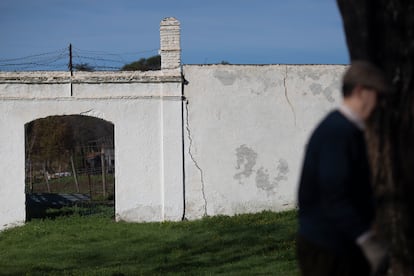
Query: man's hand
375, 252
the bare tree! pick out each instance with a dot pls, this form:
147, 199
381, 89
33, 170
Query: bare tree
382, 32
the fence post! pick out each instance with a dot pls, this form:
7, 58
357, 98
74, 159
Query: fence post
46, 175
103, 171
74, 172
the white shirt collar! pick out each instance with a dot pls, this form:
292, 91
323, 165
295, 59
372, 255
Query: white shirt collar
351, 116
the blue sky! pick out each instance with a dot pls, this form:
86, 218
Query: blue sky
237, 31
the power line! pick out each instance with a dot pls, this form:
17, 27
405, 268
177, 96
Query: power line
58, 60
33, 56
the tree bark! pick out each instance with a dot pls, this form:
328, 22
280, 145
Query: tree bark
382, 32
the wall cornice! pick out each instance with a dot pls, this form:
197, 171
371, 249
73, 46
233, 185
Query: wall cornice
48, 77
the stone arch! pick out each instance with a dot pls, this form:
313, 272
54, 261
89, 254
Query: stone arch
69, 160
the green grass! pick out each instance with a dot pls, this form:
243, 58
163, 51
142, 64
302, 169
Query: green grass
252, 244
67, 185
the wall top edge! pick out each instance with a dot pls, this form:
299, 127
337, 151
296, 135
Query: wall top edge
262, 65
40, 77
170, 21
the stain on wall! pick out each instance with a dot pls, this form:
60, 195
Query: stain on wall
282, 170
263, 181
317, 89
263, 178
246, 160
328, 92
225, 77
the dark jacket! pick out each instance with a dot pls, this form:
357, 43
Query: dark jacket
335, 195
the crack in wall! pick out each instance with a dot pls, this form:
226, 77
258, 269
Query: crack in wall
286, 95
86, 112
190, 139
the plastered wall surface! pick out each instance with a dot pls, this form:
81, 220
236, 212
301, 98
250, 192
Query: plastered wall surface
146, 113
246, 130
241, 130
146, 110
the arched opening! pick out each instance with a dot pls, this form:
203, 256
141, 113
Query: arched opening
69, 162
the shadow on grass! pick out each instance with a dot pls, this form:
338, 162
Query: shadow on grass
229, 245
252, 244
50, 205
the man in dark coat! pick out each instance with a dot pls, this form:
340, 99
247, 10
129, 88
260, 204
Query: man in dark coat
336, 204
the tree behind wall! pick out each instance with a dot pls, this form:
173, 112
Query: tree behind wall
144, 64
382, 32
61, 143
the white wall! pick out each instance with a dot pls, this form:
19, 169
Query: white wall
246, 130
146, 112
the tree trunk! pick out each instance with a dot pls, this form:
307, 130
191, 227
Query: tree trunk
382, 32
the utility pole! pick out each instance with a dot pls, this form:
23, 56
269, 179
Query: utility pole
70, 65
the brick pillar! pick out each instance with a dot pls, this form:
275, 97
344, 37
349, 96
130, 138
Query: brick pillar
170, 49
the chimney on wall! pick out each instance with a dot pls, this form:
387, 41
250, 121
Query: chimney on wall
170, 48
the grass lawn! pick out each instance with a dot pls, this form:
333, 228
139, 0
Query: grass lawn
87, 185
252, 244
